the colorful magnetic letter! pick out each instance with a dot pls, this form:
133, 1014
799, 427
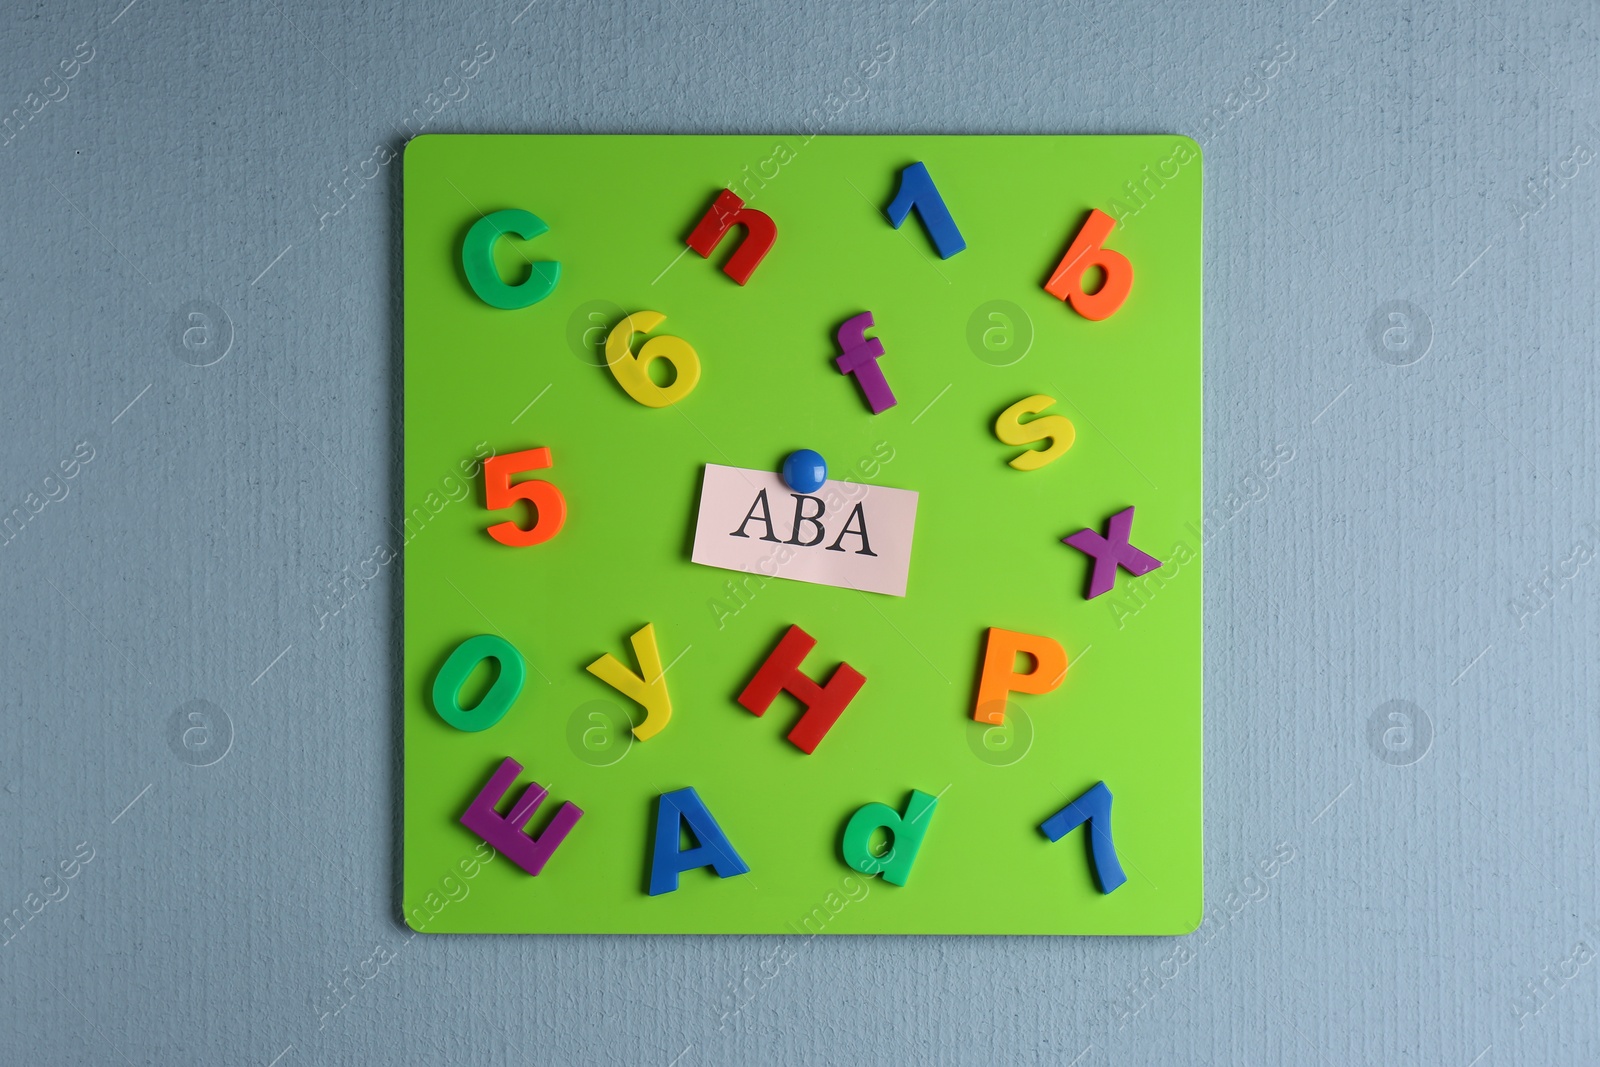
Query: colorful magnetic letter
633, 372
477, 261
1085, 252
1057, 429
905, 836
726, 210
501, 695
648, 688
861, 359
674, 811
917, 190
549, 506
1110, 552
805, 471
824, 703
1093, 808
505, 832
999, 675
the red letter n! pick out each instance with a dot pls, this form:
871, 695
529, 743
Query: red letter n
824, 703
724, 211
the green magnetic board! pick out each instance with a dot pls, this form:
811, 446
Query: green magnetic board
964, 338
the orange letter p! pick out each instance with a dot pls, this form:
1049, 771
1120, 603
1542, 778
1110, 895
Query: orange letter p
1000, 675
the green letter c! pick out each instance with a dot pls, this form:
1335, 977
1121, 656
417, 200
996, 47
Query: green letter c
477, 260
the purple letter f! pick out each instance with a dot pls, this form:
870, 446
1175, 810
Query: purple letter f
861, 359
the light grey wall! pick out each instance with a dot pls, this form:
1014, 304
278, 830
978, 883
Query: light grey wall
1421, 546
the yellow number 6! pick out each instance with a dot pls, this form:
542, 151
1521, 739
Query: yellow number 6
633, 372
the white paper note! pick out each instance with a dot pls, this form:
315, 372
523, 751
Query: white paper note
847, 534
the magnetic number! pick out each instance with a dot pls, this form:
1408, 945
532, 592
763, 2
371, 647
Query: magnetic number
549, 506
633, 371
460, 665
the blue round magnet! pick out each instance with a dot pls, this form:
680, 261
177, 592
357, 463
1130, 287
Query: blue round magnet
805, 471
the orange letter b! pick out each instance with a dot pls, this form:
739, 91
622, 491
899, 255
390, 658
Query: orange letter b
1000, 675
1067, 281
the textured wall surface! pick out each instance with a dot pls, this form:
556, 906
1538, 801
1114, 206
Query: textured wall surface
1401, 689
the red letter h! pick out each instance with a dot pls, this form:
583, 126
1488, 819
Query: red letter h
824, 703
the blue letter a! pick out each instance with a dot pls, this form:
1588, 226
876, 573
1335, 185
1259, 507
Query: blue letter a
679, 809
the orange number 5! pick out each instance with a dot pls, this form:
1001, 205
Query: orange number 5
549, 506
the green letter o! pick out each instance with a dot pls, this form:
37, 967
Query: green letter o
501, 695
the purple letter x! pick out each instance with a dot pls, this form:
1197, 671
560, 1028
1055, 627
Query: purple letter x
861, 359
1110, 552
